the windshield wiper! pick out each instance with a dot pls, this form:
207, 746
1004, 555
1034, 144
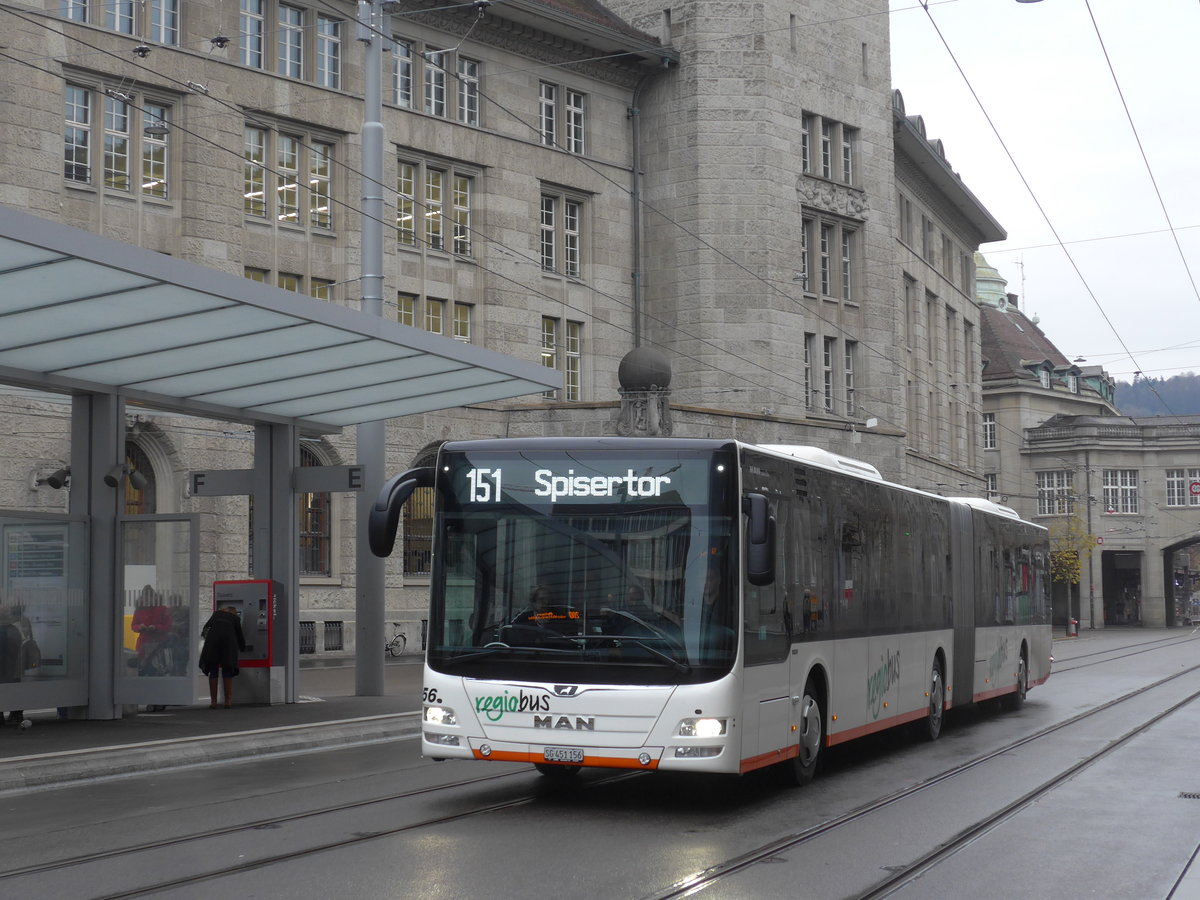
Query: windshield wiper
617, 639
496, 647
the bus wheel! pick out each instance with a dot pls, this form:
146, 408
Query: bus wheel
937, 702
812, 734
558, 773
1014, 701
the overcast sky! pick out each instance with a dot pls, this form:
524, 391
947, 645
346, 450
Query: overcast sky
1098, 262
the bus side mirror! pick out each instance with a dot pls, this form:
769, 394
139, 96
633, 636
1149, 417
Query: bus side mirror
384, 519
760, 540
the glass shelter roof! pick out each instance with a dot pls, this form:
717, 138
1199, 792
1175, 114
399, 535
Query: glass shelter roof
80, 312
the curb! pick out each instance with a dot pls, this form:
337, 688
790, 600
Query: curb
50, 770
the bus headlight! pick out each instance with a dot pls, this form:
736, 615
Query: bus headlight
702, 728
440, 715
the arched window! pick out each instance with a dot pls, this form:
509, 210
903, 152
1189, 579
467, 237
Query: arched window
139, 542
315, 526
142, 500
418, 528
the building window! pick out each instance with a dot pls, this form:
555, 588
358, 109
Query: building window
435, 82
435, 316
826, 150
462, 322
252, 31
154, 150
806, 227
567, 355
414, 63
827, 374
1073, 383
834, 259
417, 545
290, 41
850, 351
810, 343
315, 526
164, 21
991, 486
402, 74
134, 162
1183, 487
911, 311
549, 351
989, 431
574, 114
75, 10
561, 235
406, 309
468, 91
1120, 491
1044, 378
320, 288
307, 45
927, 249
548, 113
806, 133
1055, 496
297, 188
421, 207
329, 52
847, 264
573, 361
848, 141
904, 212
119, 15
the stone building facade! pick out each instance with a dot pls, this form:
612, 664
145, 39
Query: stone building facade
1123, 493
564, 182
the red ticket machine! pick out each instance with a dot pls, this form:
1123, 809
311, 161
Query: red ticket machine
258, 605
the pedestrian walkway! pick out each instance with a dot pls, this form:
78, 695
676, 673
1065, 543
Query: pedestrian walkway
56, 751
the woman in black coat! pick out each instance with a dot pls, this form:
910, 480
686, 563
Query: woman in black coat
223, 639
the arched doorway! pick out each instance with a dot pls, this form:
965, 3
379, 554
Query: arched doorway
1181, 582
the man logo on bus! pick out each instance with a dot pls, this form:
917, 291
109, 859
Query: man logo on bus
881, 680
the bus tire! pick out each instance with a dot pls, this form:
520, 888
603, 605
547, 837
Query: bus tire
936, 713
1014, 701
803, 766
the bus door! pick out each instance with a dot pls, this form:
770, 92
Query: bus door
767, 641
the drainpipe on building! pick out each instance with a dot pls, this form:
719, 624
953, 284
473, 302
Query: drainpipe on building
635, 194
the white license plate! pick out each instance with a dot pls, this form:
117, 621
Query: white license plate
563, 754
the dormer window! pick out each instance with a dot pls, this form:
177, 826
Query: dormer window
1044, 378
1073, 383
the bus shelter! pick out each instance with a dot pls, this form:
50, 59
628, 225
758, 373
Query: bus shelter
109, 324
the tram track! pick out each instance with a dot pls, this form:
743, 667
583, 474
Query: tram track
902, 875
179, 844
1114, 653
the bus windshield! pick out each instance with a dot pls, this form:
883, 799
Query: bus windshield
585, 566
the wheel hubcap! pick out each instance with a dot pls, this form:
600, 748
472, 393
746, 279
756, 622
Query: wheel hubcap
937, 698
810, 730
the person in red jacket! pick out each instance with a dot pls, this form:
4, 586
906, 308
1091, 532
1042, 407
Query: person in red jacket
152, 623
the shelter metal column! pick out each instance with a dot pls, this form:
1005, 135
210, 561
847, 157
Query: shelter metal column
97, 444
276, 552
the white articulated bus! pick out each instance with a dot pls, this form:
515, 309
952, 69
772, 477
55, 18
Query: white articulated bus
707, 605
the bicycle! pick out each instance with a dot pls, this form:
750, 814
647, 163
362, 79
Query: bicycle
399, 641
